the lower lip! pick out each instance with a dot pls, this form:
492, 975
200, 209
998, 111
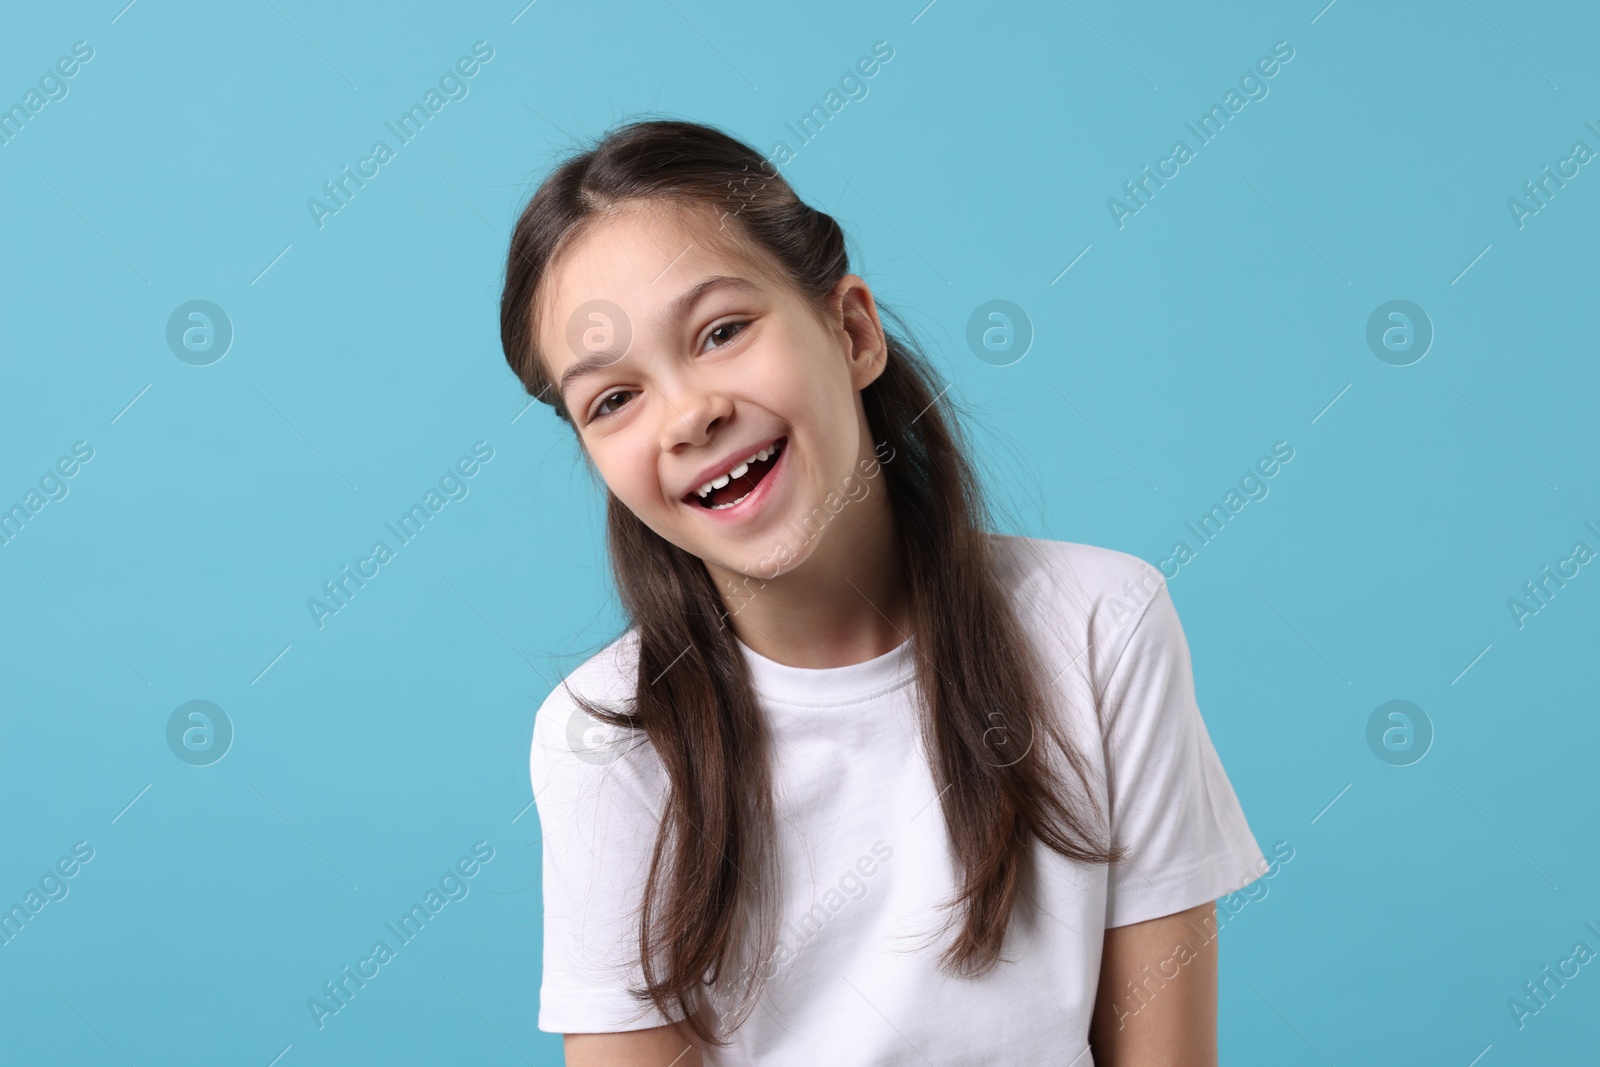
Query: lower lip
753, 499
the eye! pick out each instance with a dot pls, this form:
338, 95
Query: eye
729, 329
599, 410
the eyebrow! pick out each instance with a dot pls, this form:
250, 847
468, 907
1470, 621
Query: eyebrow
680, 306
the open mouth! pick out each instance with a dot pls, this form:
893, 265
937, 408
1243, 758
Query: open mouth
734, 485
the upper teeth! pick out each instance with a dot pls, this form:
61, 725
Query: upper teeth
738, 471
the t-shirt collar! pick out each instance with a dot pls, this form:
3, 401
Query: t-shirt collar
824, 686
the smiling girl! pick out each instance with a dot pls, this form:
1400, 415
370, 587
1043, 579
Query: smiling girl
863, 781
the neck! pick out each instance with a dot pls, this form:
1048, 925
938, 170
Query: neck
847, 602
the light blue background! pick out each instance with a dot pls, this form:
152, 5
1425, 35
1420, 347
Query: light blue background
1226, 315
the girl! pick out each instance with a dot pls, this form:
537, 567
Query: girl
862, 782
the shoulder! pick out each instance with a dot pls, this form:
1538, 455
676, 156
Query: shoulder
564, 734
607, 675
1090, 600
1093, 568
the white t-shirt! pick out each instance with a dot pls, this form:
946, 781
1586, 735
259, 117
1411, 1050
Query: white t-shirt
862, 839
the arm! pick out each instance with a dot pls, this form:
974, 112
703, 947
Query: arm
1169, 1017
659, 1046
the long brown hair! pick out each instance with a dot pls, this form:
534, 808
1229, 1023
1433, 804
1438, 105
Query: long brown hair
983, 696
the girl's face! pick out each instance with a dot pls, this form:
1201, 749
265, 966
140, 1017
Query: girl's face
680, 360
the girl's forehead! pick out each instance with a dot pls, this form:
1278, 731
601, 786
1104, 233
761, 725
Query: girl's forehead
641, 257
648, 246
634, 269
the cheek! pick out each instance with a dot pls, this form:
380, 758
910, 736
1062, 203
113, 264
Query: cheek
629, 471
832, 404
805, 387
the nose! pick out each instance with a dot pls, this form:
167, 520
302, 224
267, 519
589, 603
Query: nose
693, 411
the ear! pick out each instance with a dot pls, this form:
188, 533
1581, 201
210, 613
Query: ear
856, 314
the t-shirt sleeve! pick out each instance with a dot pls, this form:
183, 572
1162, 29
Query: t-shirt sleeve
599, 806
1172, 806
